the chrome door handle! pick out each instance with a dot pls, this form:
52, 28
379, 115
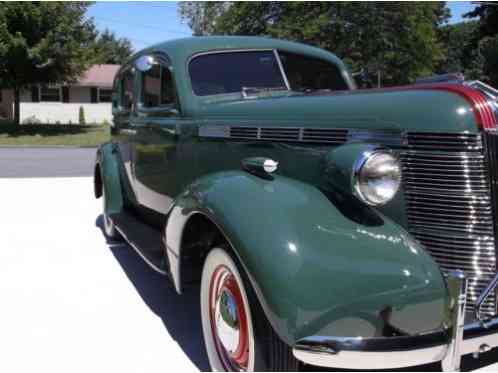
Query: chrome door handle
128, 131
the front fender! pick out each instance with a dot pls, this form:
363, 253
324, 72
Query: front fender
320, 265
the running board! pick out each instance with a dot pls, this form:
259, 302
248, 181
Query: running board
145, 240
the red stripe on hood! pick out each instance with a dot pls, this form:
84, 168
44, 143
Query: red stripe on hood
482, 109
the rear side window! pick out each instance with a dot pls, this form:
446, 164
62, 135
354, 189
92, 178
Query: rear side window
308, 73
126, 98
157, 87
219, 73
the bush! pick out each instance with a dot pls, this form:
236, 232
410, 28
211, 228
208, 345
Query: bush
81, 117
106, 123
31, 120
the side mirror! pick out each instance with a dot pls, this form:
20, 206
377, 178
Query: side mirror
145, 63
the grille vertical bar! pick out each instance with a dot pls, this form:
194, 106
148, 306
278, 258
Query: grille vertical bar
449, 204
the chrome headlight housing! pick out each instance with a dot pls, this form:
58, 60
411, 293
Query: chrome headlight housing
377, 176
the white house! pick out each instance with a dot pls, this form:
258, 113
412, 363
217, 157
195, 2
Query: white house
61, 103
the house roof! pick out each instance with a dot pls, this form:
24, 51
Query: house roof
98, 76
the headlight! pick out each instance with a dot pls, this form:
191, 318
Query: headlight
377, 177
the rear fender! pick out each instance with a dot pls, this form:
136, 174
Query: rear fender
108, 164
320, 265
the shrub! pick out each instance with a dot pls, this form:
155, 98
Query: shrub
31, 120
106, 123
81, 117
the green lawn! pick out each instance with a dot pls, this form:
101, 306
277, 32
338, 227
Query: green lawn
53, 134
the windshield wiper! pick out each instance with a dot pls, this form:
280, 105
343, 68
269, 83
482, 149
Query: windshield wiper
307, 90
253, 92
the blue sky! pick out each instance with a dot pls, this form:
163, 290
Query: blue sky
146, 23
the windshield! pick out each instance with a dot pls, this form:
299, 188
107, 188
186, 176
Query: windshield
308, 73
218, 73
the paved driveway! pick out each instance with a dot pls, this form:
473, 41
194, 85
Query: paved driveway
71, 302
46, 162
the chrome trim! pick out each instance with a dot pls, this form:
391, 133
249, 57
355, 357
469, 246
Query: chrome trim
367, 360
281, 67
445, 345
357, 169
457, 289
484, 295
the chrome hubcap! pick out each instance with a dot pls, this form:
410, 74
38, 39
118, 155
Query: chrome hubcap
228, 320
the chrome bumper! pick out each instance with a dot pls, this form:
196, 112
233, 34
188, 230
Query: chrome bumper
446, 346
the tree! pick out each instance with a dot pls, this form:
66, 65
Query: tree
400, 40
111, 49
486, 40
462, 50
201, 15
43, 42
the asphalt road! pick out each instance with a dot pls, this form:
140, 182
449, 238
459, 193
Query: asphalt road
46, 162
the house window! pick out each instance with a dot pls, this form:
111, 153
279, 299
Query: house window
126, 98
50, 93
157, 87
105, 95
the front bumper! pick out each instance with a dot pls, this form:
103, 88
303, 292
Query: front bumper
447, 345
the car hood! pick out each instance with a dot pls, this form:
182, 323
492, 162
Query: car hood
411, 110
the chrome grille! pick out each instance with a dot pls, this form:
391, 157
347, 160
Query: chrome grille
449, 205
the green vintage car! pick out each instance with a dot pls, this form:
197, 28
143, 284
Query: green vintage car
326, 225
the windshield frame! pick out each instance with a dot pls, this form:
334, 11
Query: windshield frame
227, 51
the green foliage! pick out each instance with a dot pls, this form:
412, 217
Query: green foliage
201, 16
43, 42
111, 49
462, 52
81, 116
486, 41
400, 40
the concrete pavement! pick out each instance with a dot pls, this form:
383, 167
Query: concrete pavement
71, 302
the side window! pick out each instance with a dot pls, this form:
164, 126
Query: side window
157, 87
126, 98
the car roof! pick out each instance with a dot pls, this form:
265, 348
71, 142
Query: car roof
184, 48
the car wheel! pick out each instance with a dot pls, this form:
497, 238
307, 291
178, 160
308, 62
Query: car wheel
109, 227
237, 334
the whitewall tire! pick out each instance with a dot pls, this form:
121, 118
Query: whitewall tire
237, 334
226, 315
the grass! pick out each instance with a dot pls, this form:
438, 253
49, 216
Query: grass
53, 134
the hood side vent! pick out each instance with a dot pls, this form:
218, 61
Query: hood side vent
325, 135
280, 134
244, 132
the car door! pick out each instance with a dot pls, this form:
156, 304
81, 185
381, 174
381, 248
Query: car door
156, 150
122, 130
